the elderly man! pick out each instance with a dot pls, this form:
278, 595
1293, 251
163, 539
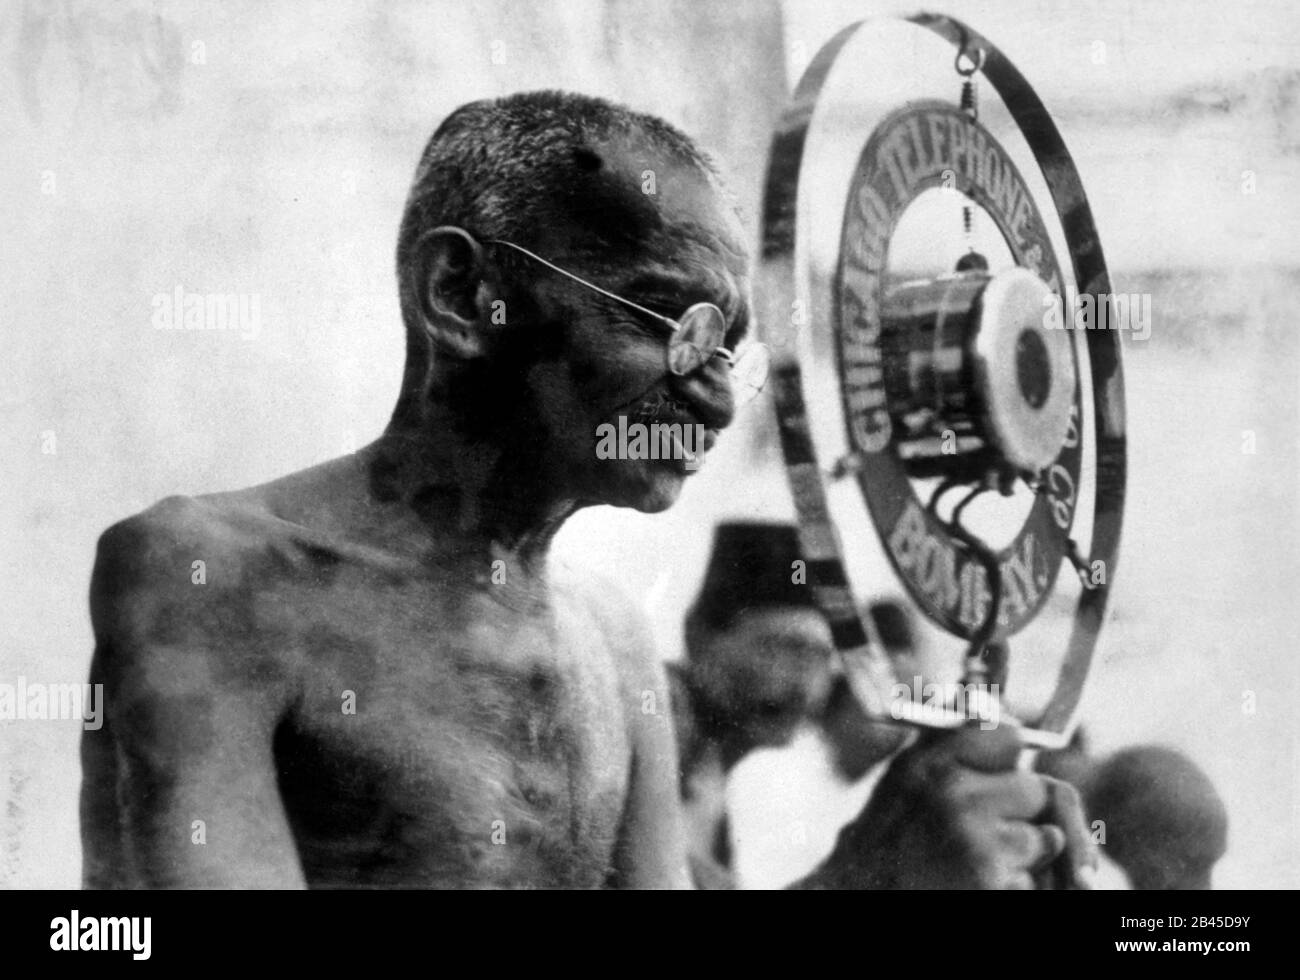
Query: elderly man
377, 681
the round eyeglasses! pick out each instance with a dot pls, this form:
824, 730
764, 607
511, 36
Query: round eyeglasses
695, 340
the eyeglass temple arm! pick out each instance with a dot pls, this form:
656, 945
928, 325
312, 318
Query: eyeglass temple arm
673, 324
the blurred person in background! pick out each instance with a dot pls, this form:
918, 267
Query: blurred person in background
758, 665
1156, 814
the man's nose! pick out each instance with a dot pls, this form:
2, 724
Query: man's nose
707, 390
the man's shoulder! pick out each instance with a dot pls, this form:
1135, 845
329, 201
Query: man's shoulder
181, 640
176, 535
179, 581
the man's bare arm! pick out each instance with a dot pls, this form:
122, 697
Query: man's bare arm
179, 785
652, 849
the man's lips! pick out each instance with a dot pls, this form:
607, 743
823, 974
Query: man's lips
659, 409
687, 456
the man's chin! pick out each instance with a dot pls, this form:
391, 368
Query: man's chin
653, 487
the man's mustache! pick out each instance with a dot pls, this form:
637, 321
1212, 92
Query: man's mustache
656, 407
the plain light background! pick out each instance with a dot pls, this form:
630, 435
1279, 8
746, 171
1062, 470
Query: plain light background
267, 149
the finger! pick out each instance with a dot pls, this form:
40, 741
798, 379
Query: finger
1021, 881
1064, 809
1030, 846
987, 750
1015, 795
1053, 842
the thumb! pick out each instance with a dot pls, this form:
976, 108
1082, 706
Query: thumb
994, 749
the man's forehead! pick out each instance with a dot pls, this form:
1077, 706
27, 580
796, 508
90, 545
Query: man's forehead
634, 205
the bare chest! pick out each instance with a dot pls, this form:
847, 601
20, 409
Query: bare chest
455, 744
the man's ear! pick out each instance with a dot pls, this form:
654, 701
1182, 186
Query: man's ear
457, 291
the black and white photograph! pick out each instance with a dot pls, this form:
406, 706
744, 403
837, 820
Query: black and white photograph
646, 444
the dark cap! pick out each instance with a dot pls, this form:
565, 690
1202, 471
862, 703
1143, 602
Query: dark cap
752, 565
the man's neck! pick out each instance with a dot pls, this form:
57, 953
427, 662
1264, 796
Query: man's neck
477, 501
